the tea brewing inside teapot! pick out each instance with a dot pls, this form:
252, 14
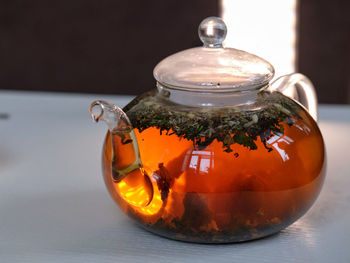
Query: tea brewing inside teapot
217, 172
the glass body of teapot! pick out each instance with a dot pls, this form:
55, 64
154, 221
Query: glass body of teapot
217, 164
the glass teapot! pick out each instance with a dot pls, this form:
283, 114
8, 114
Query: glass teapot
216, 153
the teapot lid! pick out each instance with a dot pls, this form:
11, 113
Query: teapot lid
212, 67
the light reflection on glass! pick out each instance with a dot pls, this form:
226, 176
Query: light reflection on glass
303, 128
274, 142
200, 161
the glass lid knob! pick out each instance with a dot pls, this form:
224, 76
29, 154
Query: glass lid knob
212, 32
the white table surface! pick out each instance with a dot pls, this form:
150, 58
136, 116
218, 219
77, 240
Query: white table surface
54, 206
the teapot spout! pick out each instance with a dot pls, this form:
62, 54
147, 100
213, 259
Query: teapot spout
133, 182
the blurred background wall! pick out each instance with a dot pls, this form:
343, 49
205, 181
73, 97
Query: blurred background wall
324, 47
112, 46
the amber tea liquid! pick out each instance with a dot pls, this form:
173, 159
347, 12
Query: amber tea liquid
211, 196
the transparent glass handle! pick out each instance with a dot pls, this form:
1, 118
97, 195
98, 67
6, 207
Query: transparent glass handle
298, 87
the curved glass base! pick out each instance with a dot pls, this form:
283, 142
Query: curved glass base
219, 237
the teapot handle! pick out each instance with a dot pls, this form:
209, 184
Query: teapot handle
299, 88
